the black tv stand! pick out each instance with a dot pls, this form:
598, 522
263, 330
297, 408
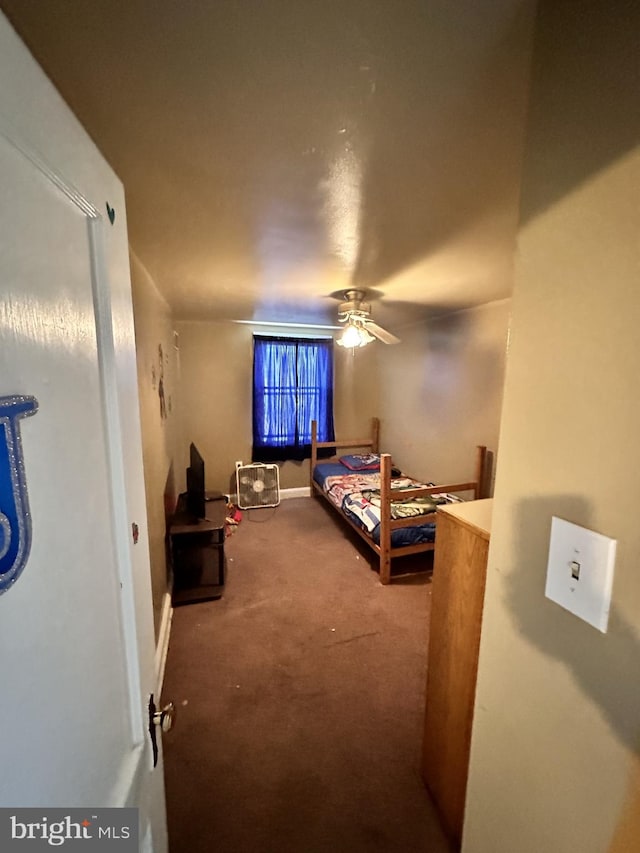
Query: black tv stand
197, 553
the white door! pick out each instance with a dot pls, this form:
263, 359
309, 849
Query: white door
76, 629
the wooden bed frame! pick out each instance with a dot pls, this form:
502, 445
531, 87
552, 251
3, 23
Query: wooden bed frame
385, 550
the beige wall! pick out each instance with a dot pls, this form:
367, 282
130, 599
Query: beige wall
154, 329
556, 737
443, 392
357, 389
216, 380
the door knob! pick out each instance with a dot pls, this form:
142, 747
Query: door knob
166, 717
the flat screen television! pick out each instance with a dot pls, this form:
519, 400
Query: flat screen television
195, 484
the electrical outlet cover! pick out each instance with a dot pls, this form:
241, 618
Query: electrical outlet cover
580, 571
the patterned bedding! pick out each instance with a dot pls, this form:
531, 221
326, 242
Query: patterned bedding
357, 495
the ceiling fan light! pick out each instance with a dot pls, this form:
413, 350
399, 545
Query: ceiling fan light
350, 338
354, 336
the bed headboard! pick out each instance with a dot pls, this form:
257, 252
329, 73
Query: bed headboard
373, 443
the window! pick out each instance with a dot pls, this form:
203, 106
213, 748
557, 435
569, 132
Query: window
292, 386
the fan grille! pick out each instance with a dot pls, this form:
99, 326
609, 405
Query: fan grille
257, 485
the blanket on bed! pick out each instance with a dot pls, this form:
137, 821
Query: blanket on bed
357, 495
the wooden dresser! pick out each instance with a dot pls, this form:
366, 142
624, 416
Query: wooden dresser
460, 567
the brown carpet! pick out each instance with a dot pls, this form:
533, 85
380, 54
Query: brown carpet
300, 698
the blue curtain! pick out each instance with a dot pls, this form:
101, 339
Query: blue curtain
292, 386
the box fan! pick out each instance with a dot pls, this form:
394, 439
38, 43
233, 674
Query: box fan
257, 485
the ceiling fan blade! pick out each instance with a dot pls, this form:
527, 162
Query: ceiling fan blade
380, 333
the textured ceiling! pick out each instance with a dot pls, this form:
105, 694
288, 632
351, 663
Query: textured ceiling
275, 152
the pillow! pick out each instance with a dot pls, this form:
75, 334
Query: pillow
361, 462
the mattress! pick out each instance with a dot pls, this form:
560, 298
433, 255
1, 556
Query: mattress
356, 495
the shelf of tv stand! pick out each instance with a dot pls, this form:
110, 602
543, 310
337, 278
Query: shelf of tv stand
197, 553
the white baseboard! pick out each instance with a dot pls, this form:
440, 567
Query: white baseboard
162, 646
299, 492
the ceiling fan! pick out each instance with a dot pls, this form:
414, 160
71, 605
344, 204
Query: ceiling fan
360, 329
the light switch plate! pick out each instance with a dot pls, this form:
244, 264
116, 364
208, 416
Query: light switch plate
580, 571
